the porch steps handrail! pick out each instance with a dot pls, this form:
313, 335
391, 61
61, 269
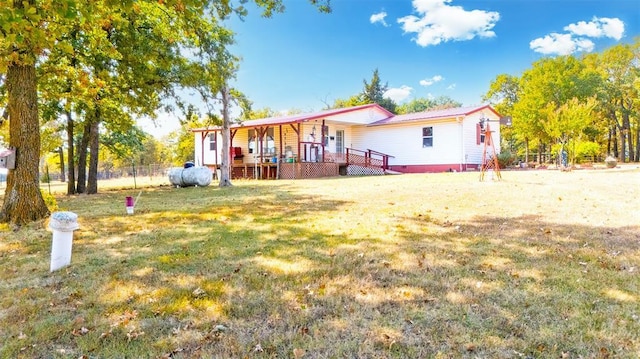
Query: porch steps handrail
368, 158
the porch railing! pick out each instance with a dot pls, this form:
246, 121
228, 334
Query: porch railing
368, 158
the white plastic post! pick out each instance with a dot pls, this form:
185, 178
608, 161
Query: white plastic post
62, 224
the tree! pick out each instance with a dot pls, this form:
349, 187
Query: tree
550, 83
31, 30
427, 104
568, 122
619, 97
265, 112
183, 138
18, 55
503, 95
416, 105
372, 92
355, 100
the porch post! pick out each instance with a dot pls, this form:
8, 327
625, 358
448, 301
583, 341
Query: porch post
233, 134
322, 139
280, 152
203, 135
216, 150
261, 133
299, 157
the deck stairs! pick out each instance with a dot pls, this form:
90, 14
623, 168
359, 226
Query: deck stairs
362, 163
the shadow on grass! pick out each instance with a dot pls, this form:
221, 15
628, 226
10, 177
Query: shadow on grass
271, 272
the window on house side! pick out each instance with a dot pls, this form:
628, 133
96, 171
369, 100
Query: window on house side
268, 142
212, 142
325, 130
427, 137
252, 140
480, 134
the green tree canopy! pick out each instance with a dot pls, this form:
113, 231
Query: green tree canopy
372, 92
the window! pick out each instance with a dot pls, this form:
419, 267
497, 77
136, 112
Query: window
325, 130
268, 142
212, 142
480, 134
427, 137
252, 141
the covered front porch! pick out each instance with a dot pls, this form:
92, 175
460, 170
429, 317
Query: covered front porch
352, 162
293, 147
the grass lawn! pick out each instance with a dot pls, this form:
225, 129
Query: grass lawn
544, 264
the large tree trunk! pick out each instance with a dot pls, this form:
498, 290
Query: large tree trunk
63, 177
94, 143
638, 145
71, 184
626, 122
23, 202
612, 142
623, 146
225, 164
82, 158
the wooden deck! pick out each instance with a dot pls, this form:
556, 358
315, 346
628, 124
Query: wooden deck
353, 162
287, 170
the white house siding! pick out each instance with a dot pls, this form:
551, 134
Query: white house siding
404, 142
333, 129
473, 151
209, 156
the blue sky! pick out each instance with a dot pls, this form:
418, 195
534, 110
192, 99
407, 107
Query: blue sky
302, 59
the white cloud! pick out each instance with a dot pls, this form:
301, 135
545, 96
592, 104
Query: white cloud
598, 27
451, 87
576, 38
379, 18
561, 44
398, 94
431, 81
439, 22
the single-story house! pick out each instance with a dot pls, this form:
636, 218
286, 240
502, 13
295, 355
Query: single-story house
364, 139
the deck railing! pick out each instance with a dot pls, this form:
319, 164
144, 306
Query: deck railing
368, 158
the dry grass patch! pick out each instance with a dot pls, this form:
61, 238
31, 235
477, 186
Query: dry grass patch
542, 264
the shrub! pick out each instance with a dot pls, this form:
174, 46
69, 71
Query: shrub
50, 201
587, 150
505, 159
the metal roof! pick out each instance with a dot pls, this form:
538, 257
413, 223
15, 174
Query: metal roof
302, 117
446, 113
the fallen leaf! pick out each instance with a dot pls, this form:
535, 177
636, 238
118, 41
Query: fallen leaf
22, 336
198, 292
298, 353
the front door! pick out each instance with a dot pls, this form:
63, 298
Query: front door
340, 141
